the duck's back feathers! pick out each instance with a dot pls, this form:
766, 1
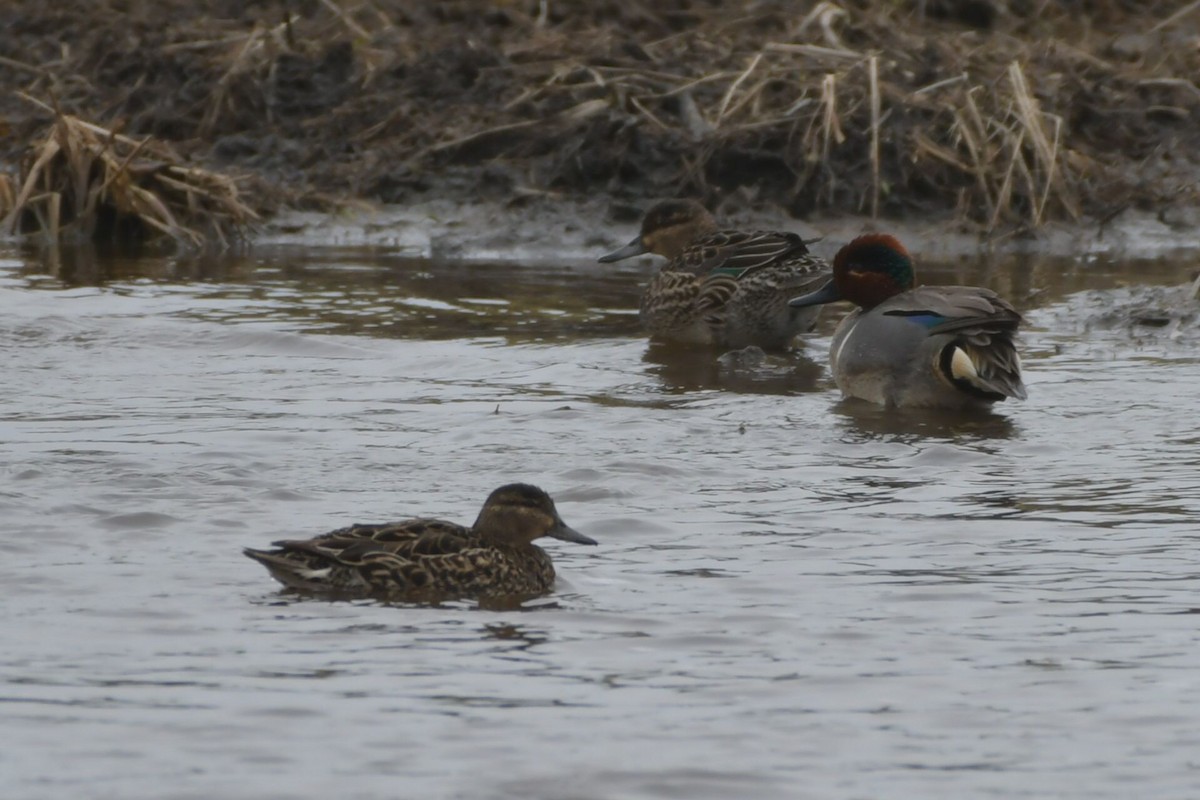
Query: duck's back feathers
951, 308
730, 288
404, 538
734, 253
402, 531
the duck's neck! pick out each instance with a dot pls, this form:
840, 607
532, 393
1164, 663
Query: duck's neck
869, 289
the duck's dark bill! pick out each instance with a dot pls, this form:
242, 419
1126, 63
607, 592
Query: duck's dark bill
634, 248
568, 534
826, 294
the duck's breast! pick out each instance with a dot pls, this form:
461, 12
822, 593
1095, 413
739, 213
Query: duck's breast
885, 359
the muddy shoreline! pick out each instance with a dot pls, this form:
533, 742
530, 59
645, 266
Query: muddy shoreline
988, 117
566, 233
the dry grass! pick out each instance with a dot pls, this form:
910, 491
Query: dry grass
852, 109
1008, 113
83, 182
1011, 149
853, 129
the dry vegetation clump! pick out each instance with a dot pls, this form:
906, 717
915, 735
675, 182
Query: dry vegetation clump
1007, 113
84, 183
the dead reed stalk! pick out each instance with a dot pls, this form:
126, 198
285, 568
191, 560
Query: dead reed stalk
873, 73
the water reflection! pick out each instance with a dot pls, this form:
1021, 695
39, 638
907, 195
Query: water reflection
374, 292
99, 264
362, 291
683, 369
521, 637
863, 421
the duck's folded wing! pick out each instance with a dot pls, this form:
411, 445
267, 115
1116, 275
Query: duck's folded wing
947, 309
443, 541
734, 253
402, 531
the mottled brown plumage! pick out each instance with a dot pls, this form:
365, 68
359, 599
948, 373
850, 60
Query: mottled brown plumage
726, 288
430, 559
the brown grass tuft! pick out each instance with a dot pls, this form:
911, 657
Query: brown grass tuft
83, 182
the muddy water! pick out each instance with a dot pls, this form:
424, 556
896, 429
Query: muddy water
794, 597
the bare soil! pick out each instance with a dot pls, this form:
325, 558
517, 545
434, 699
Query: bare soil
1000, 113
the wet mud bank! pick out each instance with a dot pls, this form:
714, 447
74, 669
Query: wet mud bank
996, 116
577, 233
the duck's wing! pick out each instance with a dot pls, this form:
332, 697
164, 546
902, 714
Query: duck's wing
359, 569
947, 309
735, 253
407, 540
355, 558
407, 530
362, 566
982, 358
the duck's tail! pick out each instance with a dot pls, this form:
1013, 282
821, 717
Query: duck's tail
294, 570
991, 372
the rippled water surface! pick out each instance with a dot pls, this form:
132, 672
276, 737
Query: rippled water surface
794, 596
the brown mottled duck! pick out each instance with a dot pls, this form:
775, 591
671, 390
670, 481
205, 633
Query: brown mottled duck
722, 288
431, 559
